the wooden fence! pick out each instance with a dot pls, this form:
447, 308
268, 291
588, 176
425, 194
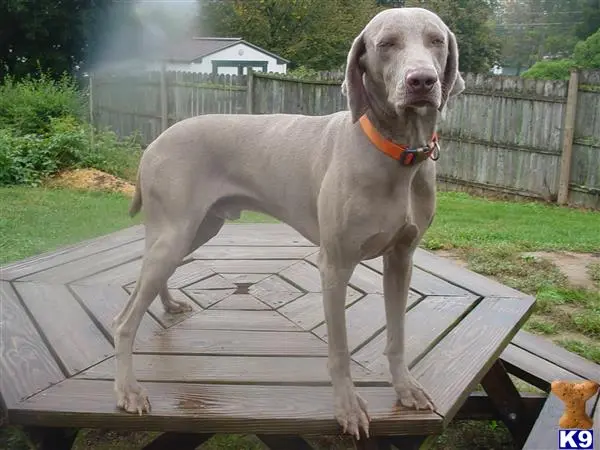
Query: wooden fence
529, 138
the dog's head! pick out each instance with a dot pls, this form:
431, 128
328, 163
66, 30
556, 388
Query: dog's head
403, 58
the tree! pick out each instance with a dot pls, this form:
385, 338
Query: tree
585, 56
58, 36
590, 19
472, 22
312, 33
535, 29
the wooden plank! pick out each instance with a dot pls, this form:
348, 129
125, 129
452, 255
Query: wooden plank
278, 442
220, 409
105, 302
307, 311
243, 302
508, 402
89, 265
26, 364
121, 275
259, 235
549, 351
544, 434
471, 281
304, 275
422, 281
274, 291
245, 278
364, 319
234, 343
439, 314
596, 418
271, 253
228, 369
478, 406
467, 352
214, 282
189, 273
73, 335
206, 298
212, 319
533, 369
70, 253
248, 265
179, 441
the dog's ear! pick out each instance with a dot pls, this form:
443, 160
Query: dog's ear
453, 83
353, 87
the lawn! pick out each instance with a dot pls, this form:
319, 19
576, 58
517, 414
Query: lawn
495, 238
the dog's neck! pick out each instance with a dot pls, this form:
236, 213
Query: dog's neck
413, 127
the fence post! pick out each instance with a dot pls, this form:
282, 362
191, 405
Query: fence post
569, 131
91, 108
164, 111
250, 92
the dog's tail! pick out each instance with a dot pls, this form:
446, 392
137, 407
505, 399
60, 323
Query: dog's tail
136, 203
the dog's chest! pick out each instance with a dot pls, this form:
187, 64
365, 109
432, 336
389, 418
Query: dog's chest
382, 242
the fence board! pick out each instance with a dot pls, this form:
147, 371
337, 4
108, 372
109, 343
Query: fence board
504, 133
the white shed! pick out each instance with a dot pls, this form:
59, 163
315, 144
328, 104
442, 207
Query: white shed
229, 56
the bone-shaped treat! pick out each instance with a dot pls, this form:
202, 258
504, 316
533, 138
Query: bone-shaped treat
575, 394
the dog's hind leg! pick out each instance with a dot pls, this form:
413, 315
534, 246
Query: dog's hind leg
208, 229
166, 247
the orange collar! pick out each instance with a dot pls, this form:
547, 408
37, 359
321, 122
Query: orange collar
407, 156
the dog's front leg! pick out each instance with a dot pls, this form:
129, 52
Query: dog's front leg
397, 272
350, 408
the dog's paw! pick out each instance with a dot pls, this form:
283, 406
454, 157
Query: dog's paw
133, 399
177, 307
351, 411
412, 395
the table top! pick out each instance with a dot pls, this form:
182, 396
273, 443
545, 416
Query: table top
252, 355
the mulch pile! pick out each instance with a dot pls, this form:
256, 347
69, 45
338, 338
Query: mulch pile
91, 179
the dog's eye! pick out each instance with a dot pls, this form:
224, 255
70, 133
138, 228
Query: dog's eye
437, 41
385, 44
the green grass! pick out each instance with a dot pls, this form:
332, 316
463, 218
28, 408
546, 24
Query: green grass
35, 220
464, 221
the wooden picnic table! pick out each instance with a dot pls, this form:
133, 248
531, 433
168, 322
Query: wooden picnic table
251, 356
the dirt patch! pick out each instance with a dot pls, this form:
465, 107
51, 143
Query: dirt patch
452, 255
573, 265
91, 179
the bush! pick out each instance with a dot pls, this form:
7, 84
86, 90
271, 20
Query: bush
28, 105
42, 132
587, 53
557, 69
28, 159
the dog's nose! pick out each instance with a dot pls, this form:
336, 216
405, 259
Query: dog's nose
421, 81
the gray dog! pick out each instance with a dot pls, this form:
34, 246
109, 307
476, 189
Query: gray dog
330, 177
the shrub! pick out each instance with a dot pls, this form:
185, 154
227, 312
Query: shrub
28, 105
587, 53
28, 159
557, 69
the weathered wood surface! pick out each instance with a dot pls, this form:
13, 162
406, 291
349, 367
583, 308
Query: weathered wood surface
544, 434
252, 355
503, 134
